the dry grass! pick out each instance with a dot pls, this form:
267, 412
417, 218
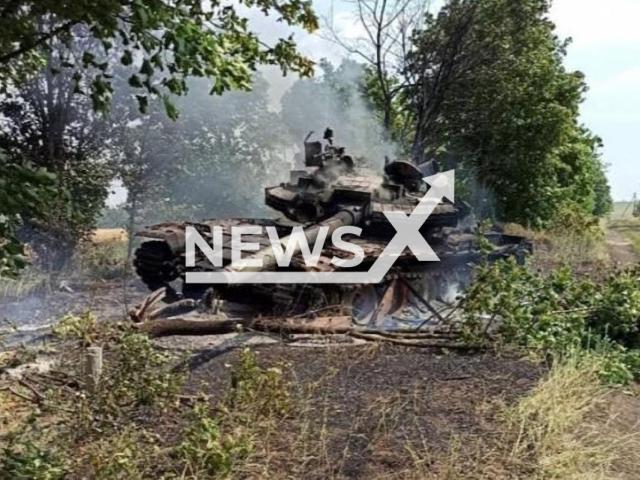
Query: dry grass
104, 260
558, 428
565, 428
628, 227
102, 235
583, 252
29, 283
568, 427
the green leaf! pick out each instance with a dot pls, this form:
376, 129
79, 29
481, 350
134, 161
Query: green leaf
127, 58
170, 108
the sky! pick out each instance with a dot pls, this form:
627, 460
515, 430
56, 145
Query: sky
605, 47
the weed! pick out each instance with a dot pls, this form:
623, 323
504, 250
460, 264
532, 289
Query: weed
135, 375
29, 462
117, 456
207, 450
105, 260
258, 392
85, 328
557, 428
27, 284
578, 245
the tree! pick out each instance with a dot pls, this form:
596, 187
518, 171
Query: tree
163, 42
144, 145
53, 129
232, 147
24, 191
489, 95
166, 40
388, 26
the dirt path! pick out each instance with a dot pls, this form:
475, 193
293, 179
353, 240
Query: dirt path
621, 250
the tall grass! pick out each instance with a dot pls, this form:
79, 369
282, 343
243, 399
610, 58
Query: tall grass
562, 429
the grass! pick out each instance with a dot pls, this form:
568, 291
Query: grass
585, 252
103, 257
562, 429
556, 427
622, 210
27, 284
266, 422
104, 260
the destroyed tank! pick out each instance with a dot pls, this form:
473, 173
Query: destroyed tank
336, 190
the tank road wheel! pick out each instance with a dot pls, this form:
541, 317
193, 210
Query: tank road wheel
153, 262
426, 286
361, 304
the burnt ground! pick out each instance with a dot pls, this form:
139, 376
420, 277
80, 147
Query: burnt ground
28, 320
371, 411
374, 411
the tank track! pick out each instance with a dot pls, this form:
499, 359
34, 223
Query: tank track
155, 264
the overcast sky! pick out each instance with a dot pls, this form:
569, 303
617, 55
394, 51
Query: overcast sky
606, 47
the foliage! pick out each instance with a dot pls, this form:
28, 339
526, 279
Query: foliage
554, 428
30, 462
559, 312
215, 446
67, 139
165, 42
116, 456
383, 47
140, 371
24, 191
113, 217
104, 260
136, 373
261, 392
209, 451
239, 149
489, 96
85, 328
66, 63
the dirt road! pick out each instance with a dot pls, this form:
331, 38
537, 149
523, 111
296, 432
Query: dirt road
621, 250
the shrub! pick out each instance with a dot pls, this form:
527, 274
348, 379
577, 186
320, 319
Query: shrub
29, 462
207, 450
104, 260
257, 392
85, 328
558, 312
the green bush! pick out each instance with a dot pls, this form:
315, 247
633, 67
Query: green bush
209, 452
257, 392
558, 313
29, 462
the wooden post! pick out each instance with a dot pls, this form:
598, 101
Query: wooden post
93, 368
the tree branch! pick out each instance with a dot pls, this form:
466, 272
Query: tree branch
30, 46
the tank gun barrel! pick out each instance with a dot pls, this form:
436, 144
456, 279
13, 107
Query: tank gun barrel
345, 217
